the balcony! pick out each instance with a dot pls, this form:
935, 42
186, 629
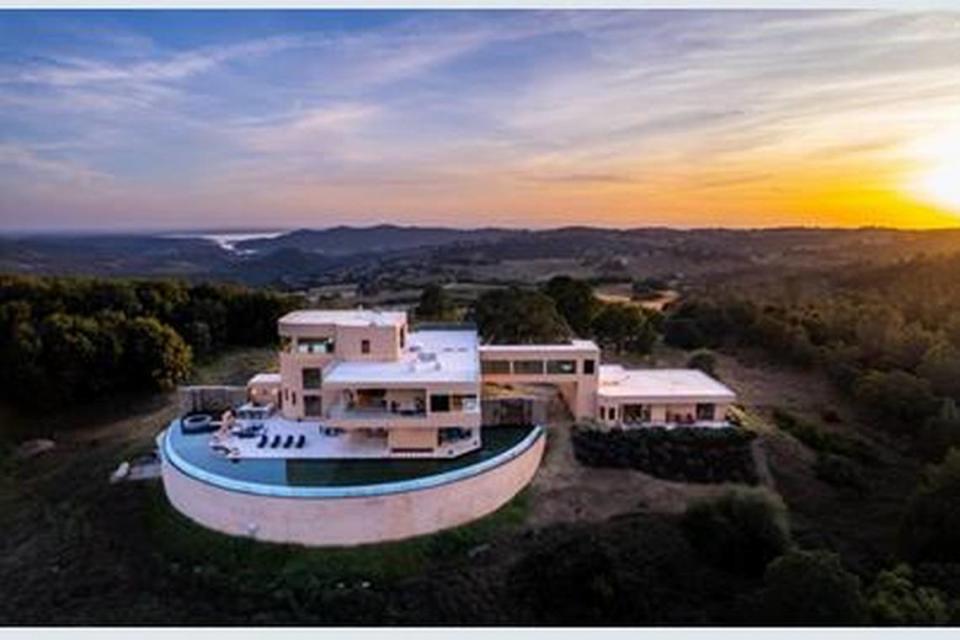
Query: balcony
343, 411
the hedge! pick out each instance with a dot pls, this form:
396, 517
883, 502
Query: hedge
693, 454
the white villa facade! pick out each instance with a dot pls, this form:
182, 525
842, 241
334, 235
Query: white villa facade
318, 452
419, 392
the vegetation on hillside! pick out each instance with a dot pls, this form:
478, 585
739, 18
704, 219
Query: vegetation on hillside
65, 340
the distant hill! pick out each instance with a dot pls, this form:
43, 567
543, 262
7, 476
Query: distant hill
342, 240
413, 255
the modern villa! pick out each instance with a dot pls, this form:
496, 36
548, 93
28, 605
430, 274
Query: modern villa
372, 431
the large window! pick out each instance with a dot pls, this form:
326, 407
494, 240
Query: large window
588, 367
561, 366
312, 406
312, 377
439, 403
706, 411
443, 403
495, 366
636, 413
315, 345
466, 402
528, 367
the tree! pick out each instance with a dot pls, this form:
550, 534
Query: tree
930, 529
683, 332
897, 396
648, 288
941, 367
704, 360
519, 316
624, 327
435, 304
741, 530
940, 432
811, 588
575, 302
894, 599
155, 354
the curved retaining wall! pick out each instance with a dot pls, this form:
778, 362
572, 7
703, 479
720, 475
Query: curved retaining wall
346, 516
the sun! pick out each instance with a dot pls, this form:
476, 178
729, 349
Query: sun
937, 179
941, 185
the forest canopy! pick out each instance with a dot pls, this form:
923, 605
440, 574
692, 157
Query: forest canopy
64, 340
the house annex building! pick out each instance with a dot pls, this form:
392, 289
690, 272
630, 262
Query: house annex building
371, 431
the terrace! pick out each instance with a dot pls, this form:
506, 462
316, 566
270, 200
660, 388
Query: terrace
350, 458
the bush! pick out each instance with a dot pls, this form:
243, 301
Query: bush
811, 588
893, 599
940, 432
840, 472
824, 441
634, 570
901, 399
703, 360
930, 529
741, 530
693, 454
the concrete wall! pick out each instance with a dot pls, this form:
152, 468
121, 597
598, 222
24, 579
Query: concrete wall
412, 439
351, 521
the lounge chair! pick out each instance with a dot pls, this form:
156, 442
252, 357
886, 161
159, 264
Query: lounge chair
288, 442
301, 440
275, 442
263, 441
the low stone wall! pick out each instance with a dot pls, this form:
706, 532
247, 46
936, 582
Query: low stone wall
211, 398
347, 521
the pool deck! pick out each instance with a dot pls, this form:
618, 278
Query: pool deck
317, 445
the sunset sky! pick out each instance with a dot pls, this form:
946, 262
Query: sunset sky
173, 120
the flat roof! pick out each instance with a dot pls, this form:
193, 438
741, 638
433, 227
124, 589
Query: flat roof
573, 345
346, 317
430, 356
661, 384
265, 378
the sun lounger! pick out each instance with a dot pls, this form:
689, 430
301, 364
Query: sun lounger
288, 442
263, 441
275, 442
301, 440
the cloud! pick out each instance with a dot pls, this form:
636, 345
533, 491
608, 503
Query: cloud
501, 107
48, 168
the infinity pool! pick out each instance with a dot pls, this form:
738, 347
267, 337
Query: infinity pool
195, 450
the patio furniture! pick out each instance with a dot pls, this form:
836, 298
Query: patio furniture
288, 442
301, 440
275, 442
263, 441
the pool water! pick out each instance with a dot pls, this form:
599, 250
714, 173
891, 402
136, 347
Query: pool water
335, 473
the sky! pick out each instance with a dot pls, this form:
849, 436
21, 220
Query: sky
119, 120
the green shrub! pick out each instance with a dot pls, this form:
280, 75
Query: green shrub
693, 454
940, 432
930, 529
840, 472
811, 588
894, 599
824, 441
741, 530
704, 360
